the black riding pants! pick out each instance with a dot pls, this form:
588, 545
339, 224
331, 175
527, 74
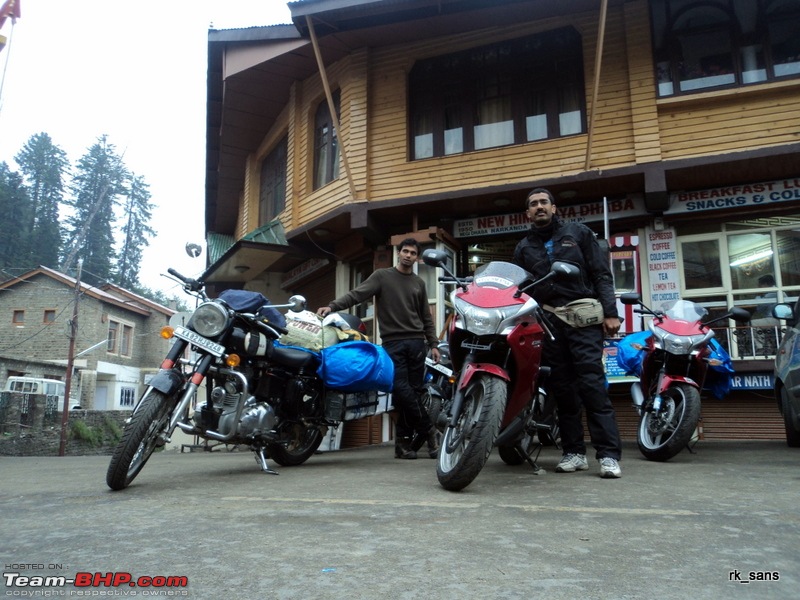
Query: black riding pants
577, 380
408, 357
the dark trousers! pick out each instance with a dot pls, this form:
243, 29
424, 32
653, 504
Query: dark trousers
408, 357
577, 380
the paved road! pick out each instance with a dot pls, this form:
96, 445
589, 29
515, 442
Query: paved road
358, 524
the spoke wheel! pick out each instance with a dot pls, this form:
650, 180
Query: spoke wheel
661, 436
466, 447
139, 439
300, 443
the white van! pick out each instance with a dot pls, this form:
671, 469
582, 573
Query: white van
40, 385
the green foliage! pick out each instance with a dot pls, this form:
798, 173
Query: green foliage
110, 433
15, 222
101, 215
113, 429
44, 166
93, 436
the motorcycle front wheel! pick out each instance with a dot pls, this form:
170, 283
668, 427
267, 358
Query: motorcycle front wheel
465, 448
139, 439
300, 443
661, 436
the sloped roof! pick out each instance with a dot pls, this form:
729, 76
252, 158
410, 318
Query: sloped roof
108, 293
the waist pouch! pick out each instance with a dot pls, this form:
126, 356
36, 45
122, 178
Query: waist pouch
579, 313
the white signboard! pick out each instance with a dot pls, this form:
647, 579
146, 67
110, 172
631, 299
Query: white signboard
518, 222
662, 265
735, 196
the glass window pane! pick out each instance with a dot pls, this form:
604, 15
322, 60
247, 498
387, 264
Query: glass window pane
701, 264
750, 256
707, 60
789, 256
753, 64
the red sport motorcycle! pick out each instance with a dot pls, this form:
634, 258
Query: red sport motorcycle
495, 342
672, 361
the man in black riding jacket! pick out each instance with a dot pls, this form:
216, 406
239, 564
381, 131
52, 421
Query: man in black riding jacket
577, 378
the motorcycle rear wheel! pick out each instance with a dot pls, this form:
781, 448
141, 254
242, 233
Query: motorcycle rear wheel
139, 439
302, 442
662, 437
465, 448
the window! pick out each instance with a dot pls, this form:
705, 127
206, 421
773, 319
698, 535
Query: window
750, 264
49, 316
18, 317
709, 44
272, 196
513, 92
365, 311
120, 338
326, 144
127, 397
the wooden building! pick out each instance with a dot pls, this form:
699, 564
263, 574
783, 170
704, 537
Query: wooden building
671, 127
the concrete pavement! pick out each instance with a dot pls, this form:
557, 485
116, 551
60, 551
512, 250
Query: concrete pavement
359, 524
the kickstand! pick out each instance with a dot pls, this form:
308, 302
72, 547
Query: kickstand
531, 461
261, 459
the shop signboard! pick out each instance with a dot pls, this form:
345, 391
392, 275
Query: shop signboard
735, 196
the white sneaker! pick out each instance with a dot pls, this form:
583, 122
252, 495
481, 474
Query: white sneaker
609, 468
572, 462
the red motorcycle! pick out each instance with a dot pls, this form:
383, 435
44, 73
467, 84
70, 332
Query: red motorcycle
672, 361
495, 342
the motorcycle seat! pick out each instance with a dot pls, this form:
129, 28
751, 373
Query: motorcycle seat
294, 357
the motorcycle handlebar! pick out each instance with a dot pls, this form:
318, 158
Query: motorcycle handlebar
193, 285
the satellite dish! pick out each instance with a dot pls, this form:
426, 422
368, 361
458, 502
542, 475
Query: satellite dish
193, 250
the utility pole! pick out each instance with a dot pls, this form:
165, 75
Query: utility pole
73, 333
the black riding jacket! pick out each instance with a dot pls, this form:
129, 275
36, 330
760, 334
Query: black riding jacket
574, 243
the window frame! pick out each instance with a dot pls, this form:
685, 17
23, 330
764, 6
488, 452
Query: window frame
18, 317
326, 143
121, 342
751, 40
480, 98
273, 177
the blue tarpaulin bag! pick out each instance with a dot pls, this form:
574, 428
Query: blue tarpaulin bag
718, 377
629, 358
356, 367
253, 302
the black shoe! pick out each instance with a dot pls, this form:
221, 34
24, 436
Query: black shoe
402, 449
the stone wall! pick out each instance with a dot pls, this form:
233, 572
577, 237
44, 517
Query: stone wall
29, 426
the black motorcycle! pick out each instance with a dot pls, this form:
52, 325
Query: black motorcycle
259, 393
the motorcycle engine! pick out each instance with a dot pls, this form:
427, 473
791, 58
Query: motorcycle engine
257, 418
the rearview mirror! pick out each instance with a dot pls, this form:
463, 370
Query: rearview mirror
630, 298
783, 311
565, 270
740, 315
297, 303
434, 258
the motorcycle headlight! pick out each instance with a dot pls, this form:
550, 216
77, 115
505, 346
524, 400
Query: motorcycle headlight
484, 321
678, 344
209, 320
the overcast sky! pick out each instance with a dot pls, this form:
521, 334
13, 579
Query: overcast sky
135, 71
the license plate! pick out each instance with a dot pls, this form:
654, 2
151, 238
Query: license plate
439, 367
200, 341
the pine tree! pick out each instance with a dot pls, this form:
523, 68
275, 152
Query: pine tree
15, 209
99, 180
43, 165
135, 232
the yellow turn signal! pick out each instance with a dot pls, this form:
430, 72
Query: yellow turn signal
167, 332
233, 360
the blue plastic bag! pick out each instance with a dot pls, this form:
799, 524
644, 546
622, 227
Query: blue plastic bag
718, 378
629, 358
356, 367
